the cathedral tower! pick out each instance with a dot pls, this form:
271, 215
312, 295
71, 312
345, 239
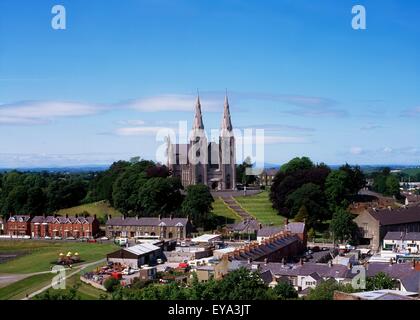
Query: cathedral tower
227, 150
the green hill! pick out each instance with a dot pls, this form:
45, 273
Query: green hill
100, 208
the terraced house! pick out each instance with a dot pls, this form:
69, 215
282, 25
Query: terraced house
18, 225
64, 227
163, 228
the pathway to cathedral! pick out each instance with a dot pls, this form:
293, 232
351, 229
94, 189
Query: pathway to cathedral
232, 204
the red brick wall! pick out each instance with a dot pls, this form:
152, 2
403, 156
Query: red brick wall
18, 228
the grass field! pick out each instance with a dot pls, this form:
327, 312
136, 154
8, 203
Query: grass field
19, 289
100, 208
259, 206
40, 254
221, 210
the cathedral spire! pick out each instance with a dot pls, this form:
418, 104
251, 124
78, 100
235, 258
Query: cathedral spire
198, 118
226, 121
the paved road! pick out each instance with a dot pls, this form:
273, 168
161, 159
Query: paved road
78, 269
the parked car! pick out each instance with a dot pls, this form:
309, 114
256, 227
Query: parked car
47, 238
70, 238
92, 241
57, 238
104, 238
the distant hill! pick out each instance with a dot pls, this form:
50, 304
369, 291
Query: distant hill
75, 169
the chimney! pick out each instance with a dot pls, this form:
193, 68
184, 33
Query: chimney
265, 261
160, 217
330, 263
67, 216
123, 217
249, 261
171, 216
261, 226
94, 216
283, 261
414, 264
301, 261
137, 217
349, 266
286, 222
391, 261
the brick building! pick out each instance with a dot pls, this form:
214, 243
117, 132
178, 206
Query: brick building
164, 228
18, 225
64, 227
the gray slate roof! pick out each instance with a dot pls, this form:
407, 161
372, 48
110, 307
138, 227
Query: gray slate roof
149, 221
391, 235
269, 231
63, 220
397, 216
25, 218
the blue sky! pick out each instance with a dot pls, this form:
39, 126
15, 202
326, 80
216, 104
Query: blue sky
99, 90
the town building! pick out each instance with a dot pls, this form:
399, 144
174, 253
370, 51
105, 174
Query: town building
297, 228
275, 249
375, 224
162, 228
136, 256
402, 242
2, 226
246, 226
19, 225
267, 176
64, 227
307, 275
200, 162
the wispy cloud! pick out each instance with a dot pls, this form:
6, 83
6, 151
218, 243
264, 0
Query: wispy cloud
143, 131
172, 102
41, 112
356, 151
371, 126
278, 127
412, 112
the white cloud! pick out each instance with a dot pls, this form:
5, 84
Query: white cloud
387, 150
174, 102
356, 150
270, 139
413, 112
41, 112
143, 131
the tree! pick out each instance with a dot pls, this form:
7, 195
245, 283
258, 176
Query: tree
241, 176
343, 226
392, 186
311, 197
297, 164
292, 176
160, 196
311, 234
111, 284
325, 290
284, 291
198, 204
302, 214
337, 189
380, 281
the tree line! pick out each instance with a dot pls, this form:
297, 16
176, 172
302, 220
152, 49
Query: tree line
315, 193
136, 187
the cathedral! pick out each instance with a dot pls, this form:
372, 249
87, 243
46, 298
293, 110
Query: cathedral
201, 162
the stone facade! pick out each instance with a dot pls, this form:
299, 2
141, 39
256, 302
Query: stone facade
200, 162
163, 228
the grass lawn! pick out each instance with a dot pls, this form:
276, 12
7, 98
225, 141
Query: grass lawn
40, 254
100, 208
259, 206
19, 289
221, 210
